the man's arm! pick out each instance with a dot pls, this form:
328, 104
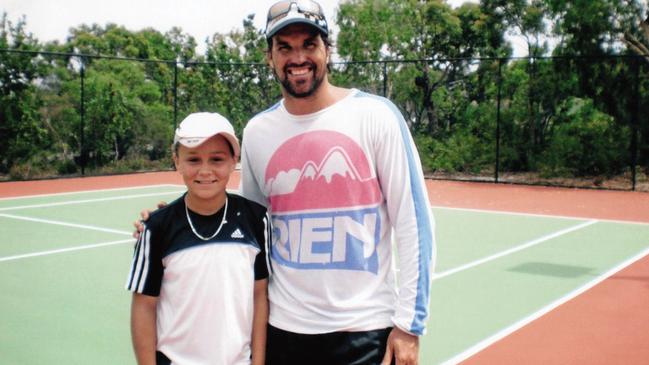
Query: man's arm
143, 328
401, 178
144, 215
259, 323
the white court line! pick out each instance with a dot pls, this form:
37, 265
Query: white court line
92, 191
522, 214
72, 202
125, 197
523, 322
512, 250
61, 250
94, 228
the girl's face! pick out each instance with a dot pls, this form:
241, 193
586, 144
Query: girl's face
206, 170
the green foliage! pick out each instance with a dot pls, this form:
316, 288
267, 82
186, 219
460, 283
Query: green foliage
469, 146
118, 97
41, 164
239, 83
22, 131
408, 30
585, 142
593, 27
134, 164
461, 152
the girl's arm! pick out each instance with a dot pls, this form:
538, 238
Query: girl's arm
259, 322
143, 328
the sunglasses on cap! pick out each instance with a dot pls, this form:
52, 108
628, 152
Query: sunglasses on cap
302, 11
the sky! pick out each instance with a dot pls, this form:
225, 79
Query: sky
51, 20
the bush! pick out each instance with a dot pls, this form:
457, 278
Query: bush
134, 164
67, 167
461, 152
42, 164
584, 142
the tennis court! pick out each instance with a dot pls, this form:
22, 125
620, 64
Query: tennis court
64, 258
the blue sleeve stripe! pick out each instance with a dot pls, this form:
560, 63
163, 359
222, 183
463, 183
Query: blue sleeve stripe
424, 229
273, 107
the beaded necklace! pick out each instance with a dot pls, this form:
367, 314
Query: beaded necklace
189, 220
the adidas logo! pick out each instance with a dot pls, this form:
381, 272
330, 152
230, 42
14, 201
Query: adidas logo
237, 234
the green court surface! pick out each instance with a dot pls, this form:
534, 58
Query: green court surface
64, 260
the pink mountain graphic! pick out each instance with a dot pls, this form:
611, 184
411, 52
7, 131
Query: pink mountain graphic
333, 182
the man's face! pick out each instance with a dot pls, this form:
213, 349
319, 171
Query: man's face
299, 59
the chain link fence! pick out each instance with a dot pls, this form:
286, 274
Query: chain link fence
567, 121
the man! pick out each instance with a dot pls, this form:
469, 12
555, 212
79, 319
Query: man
339, 172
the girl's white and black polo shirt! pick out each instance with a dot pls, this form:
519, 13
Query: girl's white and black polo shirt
204, 288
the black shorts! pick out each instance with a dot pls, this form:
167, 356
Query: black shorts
336, 348
161, 359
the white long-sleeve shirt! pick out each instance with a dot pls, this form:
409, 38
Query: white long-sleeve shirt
342, 185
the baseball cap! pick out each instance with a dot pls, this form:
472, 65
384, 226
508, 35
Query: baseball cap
288, 12
197, 128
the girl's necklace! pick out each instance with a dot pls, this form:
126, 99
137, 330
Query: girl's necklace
225, 211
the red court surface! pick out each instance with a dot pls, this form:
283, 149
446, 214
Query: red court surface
586, 203
608, 324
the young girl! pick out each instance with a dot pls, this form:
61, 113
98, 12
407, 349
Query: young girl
199, 273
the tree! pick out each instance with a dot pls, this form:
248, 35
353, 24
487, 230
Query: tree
123, 114
22, 131
406, 30
239, 81
137, 96
639, 42
593, 29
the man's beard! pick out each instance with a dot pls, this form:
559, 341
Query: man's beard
291, 90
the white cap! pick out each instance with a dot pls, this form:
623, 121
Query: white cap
197, 128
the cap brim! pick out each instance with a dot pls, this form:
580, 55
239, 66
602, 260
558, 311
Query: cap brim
193, 142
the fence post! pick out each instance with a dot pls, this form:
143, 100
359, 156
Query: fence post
175, 93
385, 79
500, 78
82, 157
635, 106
